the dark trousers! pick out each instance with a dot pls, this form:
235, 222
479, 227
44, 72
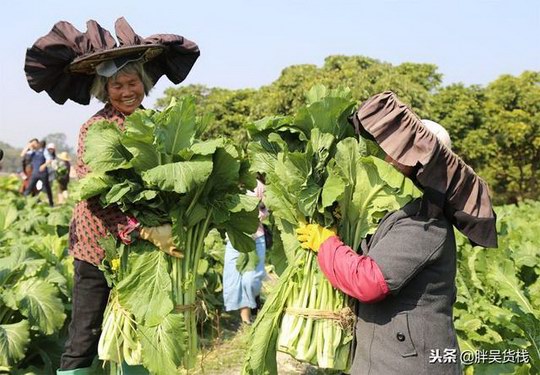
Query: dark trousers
46, 185
90, 295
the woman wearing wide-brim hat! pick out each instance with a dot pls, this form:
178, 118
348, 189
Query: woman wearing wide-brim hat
404, 278
69, 64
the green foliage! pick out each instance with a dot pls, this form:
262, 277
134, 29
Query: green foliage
494, 129
14, 339
316, 171
163, 344
513, 119
460, 110
210, 271
364, 76
161, 171
11, 162
35, 281
498, 304
149, 269
497, 131
231, 109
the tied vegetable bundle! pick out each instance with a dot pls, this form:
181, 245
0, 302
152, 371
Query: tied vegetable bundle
317, 171
160, 171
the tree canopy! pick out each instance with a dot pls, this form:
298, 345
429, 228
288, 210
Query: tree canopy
496, 130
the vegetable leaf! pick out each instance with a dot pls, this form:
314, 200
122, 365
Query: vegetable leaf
93, 184
148, 281
38, 301
176, 126
14, 339
164, 344
107, 153
179, 177
139, 140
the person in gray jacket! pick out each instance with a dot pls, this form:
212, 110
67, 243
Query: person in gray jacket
404, 276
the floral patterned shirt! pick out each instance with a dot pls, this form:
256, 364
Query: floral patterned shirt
90, 221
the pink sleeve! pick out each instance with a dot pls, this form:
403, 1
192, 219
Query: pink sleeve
355, 275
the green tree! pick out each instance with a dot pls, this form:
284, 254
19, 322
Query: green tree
513, 124
413, 83
286, 94
200, 92
460, 110
496, 130
365, 77
231, 109
12, 160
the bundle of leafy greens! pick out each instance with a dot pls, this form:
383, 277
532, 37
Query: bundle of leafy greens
160, 171
317, 171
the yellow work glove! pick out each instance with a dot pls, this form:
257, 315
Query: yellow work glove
311, 236
161, 237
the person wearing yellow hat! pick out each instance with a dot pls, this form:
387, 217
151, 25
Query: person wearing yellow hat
69, 64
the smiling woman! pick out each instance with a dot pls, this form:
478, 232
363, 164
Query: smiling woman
119, 76
125, 88
126, 92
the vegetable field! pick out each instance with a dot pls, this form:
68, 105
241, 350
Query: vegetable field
497, 308
35, 282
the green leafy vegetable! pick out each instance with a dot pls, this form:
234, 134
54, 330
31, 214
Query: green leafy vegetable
159, 171
316, 171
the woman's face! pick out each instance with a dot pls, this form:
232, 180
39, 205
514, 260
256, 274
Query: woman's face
126, 92
406, 170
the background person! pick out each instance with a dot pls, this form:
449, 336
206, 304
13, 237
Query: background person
120, 76
40, 161
26, 166
242, 289
51, 151
404, 276
63, 170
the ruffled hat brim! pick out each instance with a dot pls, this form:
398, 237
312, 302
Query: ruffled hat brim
463, 195
63, 62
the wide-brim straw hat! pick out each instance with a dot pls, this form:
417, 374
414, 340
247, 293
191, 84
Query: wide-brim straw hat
63, 63
64, 156
447, 181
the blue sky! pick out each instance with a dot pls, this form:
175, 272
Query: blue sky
247, 43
